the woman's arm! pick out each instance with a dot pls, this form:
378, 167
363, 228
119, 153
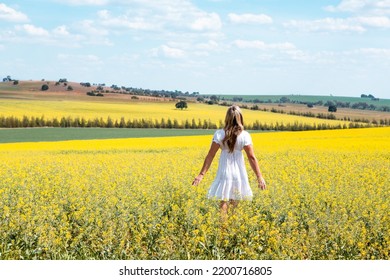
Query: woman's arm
255, 165
207, 162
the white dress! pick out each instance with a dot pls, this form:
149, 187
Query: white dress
231, 182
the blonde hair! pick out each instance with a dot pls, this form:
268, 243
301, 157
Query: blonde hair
234, 125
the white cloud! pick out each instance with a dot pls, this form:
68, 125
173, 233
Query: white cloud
89, 27
256, 44
85, 2
89, 58
33, 30
58, 36
378, 53
9, 14
250, 18
207, 22
168, 17
124, 21
326, 24
379, 21
362, 6
354, 24
348, 6
169, 52
61, 31
211, 45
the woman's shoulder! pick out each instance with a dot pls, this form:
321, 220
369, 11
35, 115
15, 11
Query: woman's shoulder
246, 138
245, 133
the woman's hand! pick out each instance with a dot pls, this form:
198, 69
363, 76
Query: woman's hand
261, 183
197, 180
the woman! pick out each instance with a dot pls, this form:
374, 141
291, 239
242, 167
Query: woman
231, 183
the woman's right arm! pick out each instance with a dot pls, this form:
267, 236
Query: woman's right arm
207, 163
255, 165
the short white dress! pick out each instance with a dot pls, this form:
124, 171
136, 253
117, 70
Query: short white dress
231, 182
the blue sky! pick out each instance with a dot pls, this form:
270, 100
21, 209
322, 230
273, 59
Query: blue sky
211, 46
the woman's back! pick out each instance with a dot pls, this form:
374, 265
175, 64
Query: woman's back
243, 139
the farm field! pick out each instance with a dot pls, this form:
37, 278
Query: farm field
342, 113
311, 98
90, 110
328, 198
62, 134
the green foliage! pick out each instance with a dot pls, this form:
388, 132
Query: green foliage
44, 87
181, 105
332, 108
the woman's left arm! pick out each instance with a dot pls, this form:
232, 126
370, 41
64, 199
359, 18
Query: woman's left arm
207, 163
255, 166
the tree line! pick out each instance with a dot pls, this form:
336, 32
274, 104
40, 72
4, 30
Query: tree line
15, 122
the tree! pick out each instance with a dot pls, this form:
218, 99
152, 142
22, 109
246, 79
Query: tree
284, 99
332, 108
214, 98
45, 87
181, 105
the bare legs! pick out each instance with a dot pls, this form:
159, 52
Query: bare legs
224, 207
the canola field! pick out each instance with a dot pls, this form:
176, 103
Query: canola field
328, 197
144, 110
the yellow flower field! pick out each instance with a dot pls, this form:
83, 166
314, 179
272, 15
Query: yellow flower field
328, 197
143, 110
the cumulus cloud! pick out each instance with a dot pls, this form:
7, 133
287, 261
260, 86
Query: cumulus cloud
166, 16
378, 21
9, 14
89, 27
326, 24
379, 53
168, 52
61, 31
257, 44
89, 58
250, 18
32, 30
211, 45
207, 22
361, 6
124, 21
354, 24
85, 2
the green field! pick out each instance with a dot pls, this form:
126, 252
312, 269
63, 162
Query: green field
61, 134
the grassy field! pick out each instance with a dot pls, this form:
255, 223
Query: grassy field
61, 134
310, 98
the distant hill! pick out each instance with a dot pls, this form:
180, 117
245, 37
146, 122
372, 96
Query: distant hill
307, 99
64, 89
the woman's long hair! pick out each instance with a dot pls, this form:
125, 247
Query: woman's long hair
234, 125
